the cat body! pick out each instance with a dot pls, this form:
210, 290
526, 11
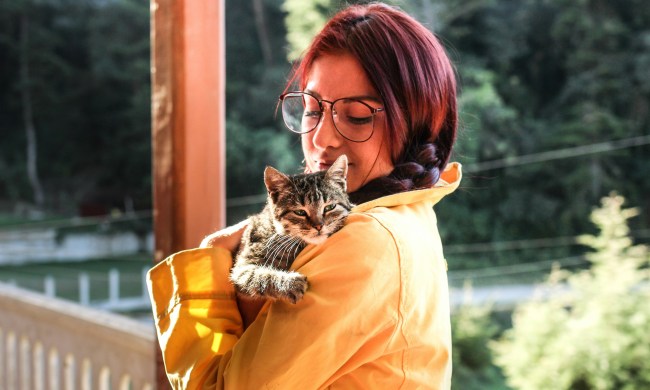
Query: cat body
300, 209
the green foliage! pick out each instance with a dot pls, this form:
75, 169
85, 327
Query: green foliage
305, 18
303, 21
591, 333
536, 77
472, 330
487, 120
89, 83
248, 152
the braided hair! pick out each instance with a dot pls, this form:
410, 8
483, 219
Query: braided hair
413, 75
420, 168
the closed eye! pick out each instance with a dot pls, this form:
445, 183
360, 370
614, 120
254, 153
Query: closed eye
359, 120
301, 213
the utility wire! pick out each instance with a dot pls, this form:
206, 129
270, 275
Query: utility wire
534, 243
79, 221
582, 150
512, 161
515, 268
510, 245
246, 200
602, 147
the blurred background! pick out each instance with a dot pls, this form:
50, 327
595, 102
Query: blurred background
554, 104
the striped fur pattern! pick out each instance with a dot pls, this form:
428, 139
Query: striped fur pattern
300, 209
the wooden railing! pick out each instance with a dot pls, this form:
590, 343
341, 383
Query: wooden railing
48, 343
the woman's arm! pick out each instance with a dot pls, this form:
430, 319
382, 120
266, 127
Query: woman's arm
347, 317
195, 312
230, 238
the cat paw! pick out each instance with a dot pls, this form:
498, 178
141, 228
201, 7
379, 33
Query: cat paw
294, 287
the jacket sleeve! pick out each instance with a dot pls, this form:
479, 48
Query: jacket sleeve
346, 319
195, 313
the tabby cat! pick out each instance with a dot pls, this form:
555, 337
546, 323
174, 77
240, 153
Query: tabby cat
300, 209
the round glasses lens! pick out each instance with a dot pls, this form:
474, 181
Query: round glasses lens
353, 119
301, 112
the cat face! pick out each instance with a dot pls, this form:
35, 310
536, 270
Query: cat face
309, 206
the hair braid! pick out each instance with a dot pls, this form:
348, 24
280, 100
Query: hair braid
420, 168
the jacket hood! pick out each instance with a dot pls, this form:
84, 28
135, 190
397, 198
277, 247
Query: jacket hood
449, 181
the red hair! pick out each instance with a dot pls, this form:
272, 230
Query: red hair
413, 75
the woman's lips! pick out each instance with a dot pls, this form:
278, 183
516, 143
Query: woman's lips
321, 165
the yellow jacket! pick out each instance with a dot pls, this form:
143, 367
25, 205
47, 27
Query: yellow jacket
376, 315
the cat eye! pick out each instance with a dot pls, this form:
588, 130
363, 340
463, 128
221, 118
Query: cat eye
301, 213
353, 118
329, 207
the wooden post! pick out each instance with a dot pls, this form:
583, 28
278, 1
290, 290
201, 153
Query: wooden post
188, 125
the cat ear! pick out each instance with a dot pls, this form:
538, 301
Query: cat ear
339, 171
275, 180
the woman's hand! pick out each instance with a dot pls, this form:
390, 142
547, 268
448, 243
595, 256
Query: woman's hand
228, 238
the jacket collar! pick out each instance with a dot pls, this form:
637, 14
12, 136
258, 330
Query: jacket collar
449, 181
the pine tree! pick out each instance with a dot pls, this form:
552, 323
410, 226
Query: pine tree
591, 332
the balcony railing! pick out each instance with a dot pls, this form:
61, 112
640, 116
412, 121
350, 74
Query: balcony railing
48, 343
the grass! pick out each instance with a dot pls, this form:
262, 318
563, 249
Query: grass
66, 276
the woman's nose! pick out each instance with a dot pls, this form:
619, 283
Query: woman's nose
325, 134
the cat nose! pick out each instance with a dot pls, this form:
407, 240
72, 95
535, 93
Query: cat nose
318, 226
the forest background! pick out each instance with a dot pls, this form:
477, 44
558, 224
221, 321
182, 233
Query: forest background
554, 105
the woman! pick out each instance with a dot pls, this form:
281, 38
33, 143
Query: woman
376, 314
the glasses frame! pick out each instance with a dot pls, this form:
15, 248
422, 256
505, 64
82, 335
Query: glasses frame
373, 111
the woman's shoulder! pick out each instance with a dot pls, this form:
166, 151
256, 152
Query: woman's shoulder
368, 229
363, 242
395, 221
357, 266
380, 236
411, 229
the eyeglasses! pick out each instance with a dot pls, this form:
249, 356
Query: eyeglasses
352, 118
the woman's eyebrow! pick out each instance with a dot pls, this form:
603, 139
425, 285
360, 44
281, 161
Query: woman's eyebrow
356, 97
309, 91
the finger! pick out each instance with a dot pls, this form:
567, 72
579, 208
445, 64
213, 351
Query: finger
229, 236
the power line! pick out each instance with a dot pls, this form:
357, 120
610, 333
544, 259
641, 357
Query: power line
78, 221
582, 150
506, 162
515, 268
246, 200
534, 243
510, 245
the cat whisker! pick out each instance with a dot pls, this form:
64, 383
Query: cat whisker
297, 247
291, 250
293, 245
274, 251
288, 248
270, 255
276, 240
269, 242
277, 252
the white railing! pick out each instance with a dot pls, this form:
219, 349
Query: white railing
48, 343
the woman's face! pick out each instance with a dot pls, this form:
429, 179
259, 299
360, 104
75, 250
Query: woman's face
338, 76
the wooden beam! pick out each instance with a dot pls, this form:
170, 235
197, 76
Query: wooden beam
188, 102
188, 124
